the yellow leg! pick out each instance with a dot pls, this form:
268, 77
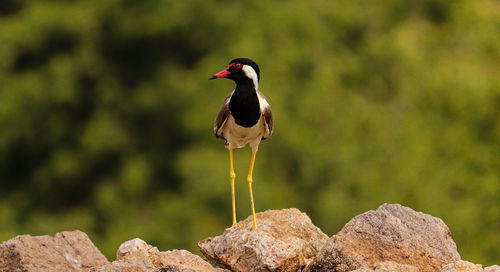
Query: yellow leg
249, 181
232, 175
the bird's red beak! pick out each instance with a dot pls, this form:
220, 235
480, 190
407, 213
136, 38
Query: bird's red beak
220, 74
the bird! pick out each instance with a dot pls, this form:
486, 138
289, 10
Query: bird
245, 117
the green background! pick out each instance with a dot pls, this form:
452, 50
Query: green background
106, 115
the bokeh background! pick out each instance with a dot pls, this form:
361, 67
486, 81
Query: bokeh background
106, 115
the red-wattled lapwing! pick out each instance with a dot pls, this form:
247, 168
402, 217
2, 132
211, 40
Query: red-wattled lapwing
244, 118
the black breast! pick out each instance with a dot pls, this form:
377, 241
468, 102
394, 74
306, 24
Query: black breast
244, 106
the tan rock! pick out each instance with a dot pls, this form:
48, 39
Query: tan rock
285, 241
493, 268
389, 267
462, 266
183, 260
391, 233
70, 251
137, 256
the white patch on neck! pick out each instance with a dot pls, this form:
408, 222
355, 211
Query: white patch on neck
251, 74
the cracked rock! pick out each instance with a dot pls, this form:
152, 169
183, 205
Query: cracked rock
392, 233
137, 256
286, 240
69, 251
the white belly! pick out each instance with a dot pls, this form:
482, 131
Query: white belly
238, 136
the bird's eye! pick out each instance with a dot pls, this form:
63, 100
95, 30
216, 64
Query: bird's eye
238, 66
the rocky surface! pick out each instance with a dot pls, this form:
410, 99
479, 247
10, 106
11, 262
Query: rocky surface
493, 268
70, 251
391, 238
390, 233
462, 266
137, 256
286, 240
388, 267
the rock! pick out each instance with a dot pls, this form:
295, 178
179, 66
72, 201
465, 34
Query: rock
74, 252
462, 266
389, 267
185, 261
493, 268
391, 238
137, 256
70, 251
286, 240
391, 233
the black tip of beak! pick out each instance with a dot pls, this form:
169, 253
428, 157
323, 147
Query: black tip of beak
212, 77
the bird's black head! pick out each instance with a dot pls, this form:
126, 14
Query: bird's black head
241, 70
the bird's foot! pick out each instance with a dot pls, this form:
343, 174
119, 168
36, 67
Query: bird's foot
234, 224
254, 228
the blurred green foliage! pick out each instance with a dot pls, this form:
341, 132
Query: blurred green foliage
106, 115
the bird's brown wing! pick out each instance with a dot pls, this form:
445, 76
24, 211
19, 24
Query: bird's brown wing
221, 118
268, 115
